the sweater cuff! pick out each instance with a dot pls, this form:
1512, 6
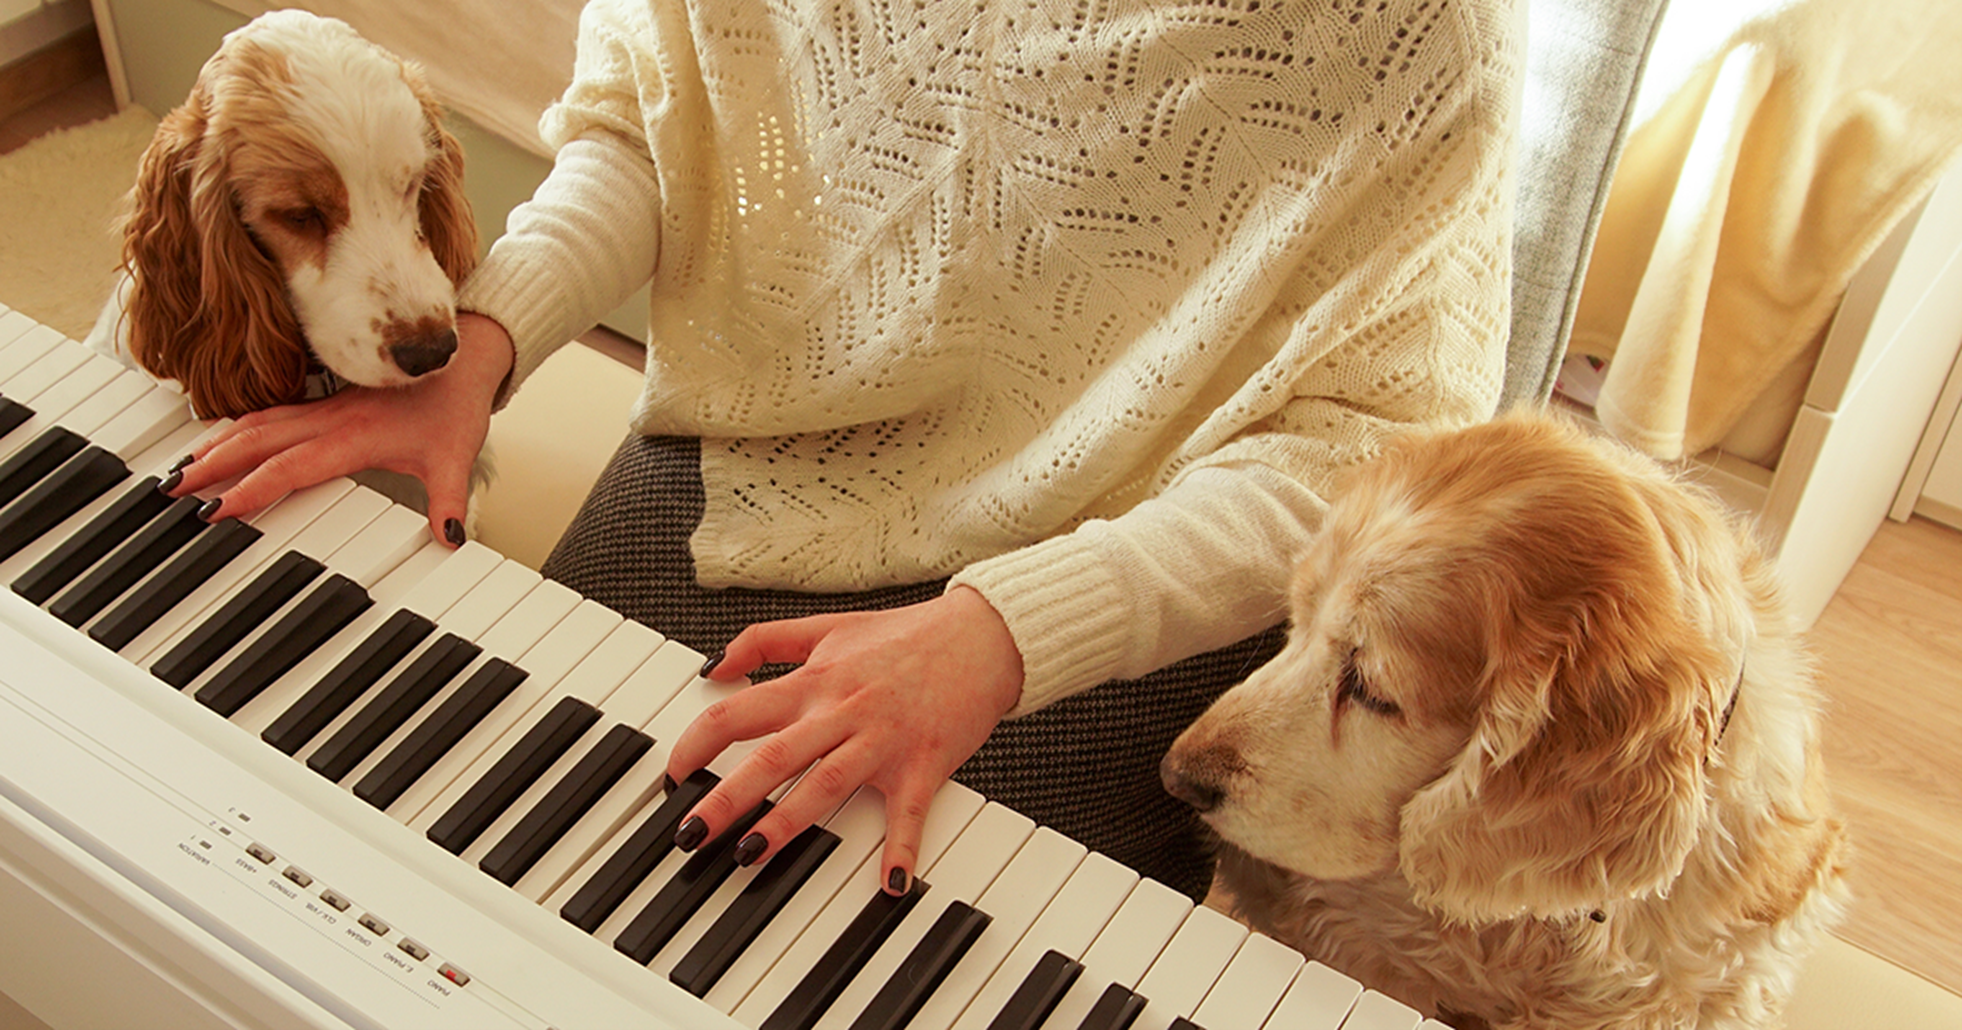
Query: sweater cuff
1065, 611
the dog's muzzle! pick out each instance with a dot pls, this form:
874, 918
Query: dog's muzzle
424, 353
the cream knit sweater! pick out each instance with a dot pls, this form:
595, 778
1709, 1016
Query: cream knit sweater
1083, 302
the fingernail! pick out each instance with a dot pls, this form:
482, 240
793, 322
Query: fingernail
183, 462
750, 849
667, 784
169, 482
692, 834
209, 509
897, 881
453, 530
709, 666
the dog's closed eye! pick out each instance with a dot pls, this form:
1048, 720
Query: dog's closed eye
1354, 689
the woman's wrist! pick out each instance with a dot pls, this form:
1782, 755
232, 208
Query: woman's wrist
485, 353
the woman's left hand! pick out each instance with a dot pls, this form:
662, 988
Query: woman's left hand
893, 699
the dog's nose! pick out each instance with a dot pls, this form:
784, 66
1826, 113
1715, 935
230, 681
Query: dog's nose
420, 355
1202, 795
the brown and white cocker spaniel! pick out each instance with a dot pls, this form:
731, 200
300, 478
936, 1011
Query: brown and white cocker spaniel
1541, 750
301, 212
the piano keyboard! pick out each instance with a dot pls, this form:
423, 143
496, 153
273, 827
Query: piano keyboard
383, 783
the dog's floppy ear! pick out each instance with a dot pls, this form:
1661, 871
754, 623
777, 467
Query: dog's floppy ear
206, 307
447, 223
1583, 781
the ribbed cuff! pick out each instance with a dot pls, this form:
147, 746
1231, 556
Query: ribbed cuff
1066, 613
527, 305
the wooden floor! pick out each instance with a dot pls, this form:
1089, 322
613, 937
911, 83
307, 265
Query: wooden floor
1890, 650
1890, 647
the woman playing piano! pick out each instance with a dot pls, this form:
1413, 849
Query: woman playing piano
1001, 358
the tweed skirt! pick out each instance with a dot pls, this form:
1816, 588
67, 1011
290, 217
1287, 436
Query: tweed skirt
1086, 766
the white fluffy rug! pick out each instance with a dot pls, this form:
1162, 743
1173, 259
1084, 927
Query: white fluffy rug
61, 197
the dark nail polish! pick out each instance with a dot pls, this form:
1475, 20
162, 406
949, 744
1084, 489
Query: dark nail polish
692, 834
667, 784
751, 848
708, 667
170, 482
209, 509
183, 463
897, 881
453, 531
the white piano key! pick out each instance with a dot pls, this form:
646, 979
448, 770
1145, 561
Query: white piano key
13, 325
26, 349
598, 677
1319, 999
353, 507
62, 357
953, 810
381, 546
428, 583
1377, 1011
148, 420
1186, 969
279, 524
89, 417
546, 665
1246, 993
71, 385
1125, 949
1083, 906
860, 825
964, 873
1014, 900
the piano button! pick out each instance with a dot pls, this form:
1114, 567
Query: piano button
976, 858
821, 986
1251, 986
12, 414
261, 852
1124, 949
570, 798
595, 900
334, 901
414, 950
517, 770
348, 680
436, 735
248, 609
1118, 1008
304, 627
952, 812
1376, 1011
83, 478
115, 524
681, 897
925, 968
1192, 960
1036, 996
393, 706
766, 895
1015, 898
34, 461
138, 556
213, 549
1067, 925
1319, 999
374, 925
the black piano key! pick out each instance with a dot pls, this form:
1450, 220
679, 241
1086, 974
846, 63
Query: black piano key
190, 569
435, 736
347, 681
565, 804
32, 463
138, 556
237, 618
393, 706
513, 774
1116, 1009
12, 414
1039, 992
598, 897
760, 901
828, 977
303, 628
72, 487
921, 971
681, 897
88, 545
1182, 1023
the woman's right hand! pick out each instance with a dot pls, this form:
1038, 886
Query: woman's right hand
431, 429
